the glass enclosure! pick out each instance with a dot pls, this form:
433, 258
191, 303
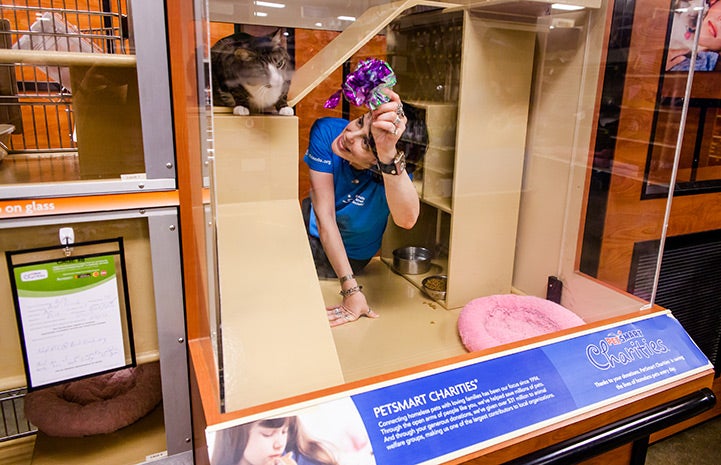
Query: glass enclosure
556, 149
75, 97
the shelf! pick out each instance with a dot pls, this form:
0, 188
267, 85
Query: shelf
55, 58
441, 203
439, 266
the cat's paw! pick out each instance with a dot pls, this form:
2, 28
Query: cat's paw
241, 111
286, 111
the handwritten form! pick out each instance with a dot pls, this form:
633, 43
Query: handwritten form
71, 319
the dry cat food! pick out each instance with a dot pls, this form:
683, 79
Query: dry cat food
436, 284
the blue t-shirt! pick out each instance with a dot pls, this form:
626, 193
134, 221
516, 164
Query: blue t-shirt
361, 208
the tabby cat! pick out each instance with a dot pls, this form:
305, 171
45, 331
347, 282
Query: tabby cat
251, 74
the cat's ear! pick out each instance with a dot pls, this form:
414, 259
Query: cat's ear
277, 37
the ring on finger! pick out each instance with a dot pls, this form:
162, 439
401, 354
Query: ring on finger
397, 121
395, 130
399, 110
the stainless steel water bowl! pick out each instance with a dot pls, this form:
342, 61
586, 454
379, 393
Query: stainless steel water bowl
435, 286
412, 260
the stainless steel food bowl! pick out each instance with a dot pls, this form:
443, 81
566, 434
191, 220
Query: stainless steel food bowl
412, 260
435, 286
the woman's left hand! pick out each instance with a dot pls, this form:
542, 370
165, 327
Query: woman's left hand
353, 307
388, 124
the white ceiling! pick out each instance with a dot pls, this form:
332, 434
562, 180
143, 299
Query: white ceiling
308, 14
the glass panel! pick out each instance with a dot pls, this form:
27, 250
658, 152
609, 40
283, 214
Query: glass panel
70, 107
545, 138
637, 145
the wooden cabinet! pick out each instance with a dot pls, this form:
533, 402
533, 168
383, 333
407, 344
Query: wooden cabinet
476, 103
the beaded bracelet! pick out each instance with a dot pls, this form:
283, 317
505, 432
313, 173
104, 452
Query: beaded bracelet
350, 291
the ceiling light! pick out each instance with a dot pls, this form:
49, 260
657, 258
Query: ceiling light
270, 4
319, 24
346, 18
565, 7
261, 14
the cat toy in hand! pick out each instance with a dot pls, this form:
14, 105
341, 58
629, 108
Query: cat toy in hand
251, 74
365, 85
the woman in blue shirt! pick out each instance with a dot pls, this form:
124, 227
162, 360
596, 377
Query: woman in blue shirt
358, 177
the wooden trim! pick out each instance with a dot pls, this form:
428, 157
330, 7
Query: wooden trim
184, 87
200, 445
206, 377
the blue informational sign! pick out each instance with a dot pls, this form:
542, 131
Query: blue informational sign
424, 419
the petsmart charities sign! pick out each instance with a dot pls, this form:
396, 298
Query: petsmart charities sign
427, 418
437, 417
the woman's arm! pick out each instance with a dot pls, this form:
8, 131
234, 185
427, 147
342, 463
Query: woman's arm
402, 199
322, 194
401, 194
323, 198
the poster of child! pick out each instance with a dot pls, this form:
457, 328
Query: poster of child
683, 29
329, 434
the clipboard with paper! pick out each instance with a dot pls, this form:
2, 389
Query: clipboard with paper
73, 312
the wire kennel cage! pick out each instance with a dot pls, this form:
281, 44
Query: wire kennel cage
37, 120
14, 425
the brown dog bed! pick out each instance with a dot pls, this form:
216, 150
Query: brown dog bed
98, 405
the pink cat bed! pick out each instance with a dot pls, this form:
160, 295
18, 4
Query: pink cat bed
499, 319
98, 405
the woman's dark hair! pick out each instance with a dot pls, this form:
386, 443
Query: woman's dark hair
414, 141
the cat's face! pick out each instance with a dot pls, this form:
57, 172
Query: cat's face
254, 59
251, 72
254, 66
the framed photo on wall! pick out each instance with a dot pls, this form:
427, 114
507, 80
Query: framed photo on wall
699, 169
